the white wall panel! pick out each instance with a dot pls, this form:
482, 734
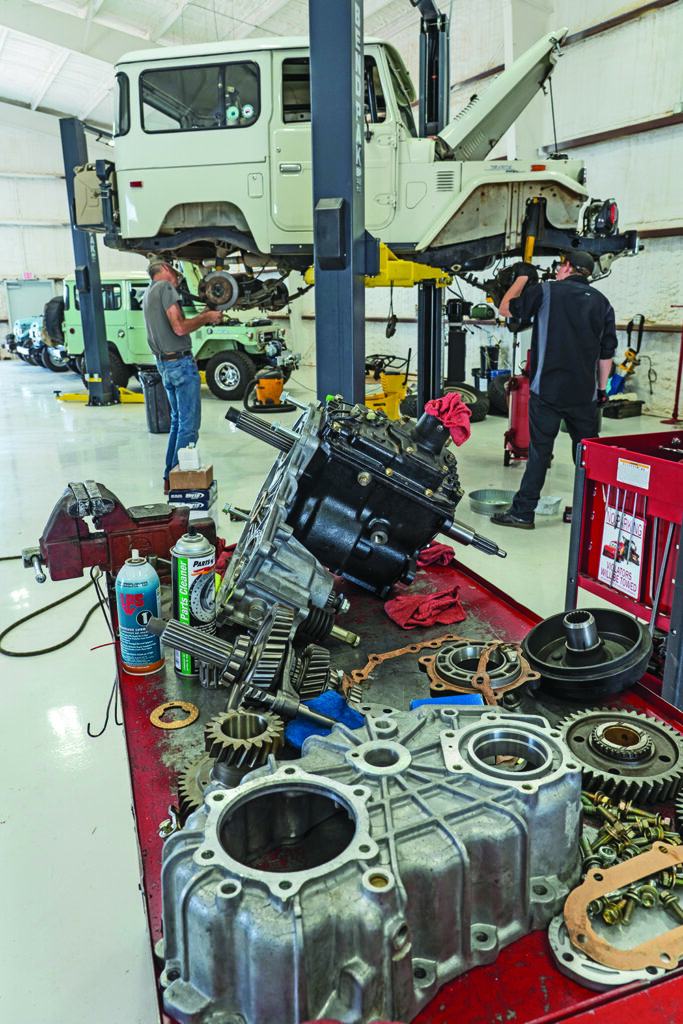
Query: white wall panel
626, 75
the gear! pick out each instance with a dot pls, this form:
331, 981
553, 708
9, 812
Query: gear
192, 782
270, 648
237, 660
626, 754
242, 740
311, 677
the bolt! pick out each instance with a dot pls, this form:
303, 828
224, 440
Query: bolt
613, 913
364, 479
607, 815
631, 900
428, 493
389, 471
608, 855
648, 895
410, 449
597, 798
671, 903
585, 847
596, 906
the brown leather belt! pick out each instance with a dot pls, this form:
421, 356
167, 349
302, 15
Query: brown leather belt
174, 355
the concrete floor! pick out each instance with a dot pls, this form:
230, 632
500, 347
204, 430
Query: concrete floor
73, 946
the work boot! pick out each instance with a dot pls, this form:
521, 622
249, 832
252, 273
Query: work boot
507, 519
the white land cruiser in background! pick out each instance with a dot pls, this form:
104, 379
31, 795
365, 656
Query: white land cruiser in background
212, 164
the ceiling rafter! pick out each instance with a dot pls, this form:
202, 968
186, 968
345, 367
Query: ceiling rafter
258, 14
93, 8
49, 77
174, 14
100, 96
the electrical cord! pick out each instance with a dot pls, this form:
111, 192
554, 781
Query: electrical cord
114, 694
651, 373
39, 611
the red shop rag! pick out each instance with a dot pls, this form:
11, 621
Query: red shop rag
413, 610
224, 553
436, 554
453, 413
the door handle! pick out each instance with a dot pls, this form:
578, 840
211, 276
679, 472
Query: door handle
290, 168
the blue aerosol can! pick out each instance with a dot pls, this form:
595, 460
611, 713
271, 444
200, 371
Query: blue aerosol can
193, 582
138, 599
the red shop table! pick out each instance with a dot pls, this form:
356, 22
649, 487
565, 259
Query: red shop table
523, 985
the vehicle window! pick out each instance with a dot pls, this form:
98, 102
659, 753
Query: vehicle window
111, 296
202, 97
135, 296
403, 100
122, 113
66, 295
296, 91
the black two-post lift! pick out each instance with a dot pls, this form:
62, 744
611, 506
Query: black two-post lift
344, 252
101, 390
433, 112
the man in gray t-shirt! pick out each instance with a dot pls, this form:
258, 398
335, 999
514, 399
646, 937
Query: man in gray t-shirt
168, 336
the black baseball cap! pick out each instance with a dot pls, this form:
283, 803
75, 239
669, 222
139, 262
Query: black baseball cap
581, 260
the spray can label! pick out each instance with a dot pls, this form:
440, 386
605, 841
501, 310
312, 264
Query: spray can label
138, 599
194, 599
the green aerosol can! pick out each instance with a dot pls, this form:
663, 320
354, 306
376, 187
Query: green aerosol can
193, 575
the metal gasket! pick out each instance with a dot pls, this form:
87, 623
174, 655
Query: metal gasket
192, 714
662, 951
480, 680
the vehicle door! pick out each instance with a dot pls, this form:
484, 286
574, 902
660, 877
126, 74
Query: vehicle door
115, 318
196, 145
291, 175
136, 335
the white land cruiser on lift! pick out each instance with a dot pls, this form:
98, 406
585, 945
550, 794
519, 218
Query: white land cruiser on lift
212, 164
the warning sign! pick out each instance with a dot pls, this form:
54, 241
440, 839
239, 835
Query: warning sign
622, 549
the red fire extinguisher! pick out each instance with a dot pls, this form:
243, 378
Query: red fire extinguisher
517, 435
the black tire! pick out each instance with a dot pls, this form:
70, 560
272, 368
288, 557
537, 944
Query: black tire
77, 364
475, 400
53, 361
228, 373
118, 370
498, 395
53, 315
34, 355
409, 406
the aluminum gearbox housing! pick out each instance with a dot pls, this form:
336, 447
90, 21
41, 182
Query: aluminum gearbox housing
354, 882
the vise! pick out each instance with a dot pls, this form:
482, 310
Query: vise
68, 545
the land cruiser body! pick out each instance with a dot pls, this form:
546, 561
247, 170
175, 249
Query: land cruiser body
229, 353
212, 164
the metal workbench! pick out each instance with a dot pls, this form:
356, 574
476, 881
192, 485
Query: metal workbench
523, 985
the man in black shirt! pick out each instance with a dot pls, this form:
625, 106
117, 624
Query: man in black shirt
572, 345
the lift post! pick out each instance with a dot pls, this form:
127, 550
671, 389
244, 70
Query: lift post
433, 114
344, 252
101, 390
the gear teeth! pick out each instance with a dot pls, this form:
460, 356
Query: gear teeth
192, 782
243, 738
645, 780
271, 646
354, 696
313, 673
237, 660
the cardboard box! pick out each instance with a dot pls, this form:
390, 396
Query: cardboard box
197, 498
190, 479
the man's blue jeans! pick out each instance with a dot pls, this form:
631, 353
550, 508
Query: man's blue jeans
180, 378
